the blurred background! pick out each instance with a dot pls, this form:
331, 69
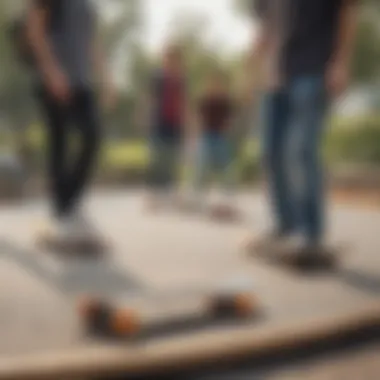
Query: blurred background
135, 32
216, 37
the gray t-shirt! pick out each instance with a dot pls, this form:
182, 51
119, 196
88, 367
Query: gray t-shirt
71, 33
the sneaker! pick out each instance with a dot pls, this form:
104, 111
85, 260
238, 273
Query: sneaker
83, 229
299, 251
269, 241
64, 228
294, 243
301, 244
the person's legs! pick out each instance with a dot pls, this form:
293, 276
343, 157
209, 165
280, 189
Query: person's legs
154, 170
56, 120
87, 122
276, 128
163, 166
202, 166
309, 106
172, 160
223, 162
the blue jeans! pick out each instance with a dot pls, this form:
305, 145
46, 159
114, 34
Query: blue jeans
294, 125
165, 159
214, 157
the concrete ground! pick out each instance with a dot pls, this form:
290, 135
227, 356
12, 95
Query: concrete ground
360, 363
166, 251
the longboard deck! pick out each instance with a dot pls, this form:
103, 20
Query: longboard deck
132, 316
47, 241
326, 259
216, 212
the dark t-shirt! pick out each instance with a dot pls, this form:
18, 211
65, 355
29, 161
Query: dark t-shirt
71, 36
215, 112
308, 32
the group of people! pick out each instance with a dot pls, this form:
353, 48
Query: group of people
178, 124
302, 56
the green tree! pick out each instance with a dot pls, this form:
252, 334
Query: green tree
366, 61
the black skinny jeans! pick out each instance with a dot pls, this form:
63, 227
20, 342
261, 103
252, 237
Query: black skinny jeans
70, 169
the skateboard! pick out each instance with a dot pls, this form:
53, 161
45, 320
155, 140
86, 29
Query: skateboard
325, 258
47, 240
223, 212
130, 318
220, 212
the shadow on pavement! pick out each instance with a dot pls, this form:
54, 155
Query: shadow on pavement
72, 276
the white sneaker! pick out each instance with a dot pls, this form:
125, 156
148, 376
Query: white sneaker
83, 229
267, 242
294, 243
64, 228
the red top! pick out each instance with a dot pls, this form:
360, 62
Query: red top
173, 106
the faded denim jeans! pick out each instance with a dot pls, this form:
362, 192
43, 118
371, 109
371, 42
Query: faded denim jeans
294, 121
214, 157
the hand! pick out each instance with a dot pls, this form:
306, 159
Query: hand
337, 78
108, 97
58, 85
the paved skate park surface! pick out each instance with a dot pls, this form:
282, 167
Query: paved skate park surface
41, 333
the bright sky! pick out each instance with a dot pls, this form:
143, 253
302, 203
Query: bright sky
225, 28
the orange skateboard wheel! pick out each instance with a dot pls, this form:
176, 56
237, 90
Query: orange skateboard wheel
244, 305
125, 322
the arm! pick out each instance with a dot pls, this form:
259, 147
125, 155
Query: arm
258, 53
260, 44
346, 31
101, 67
338, 70
36, 31
36, 28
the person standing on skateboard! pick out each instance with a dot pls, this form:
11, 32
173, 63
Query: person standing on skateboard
168, 101
304, 48
215, 115
61, 35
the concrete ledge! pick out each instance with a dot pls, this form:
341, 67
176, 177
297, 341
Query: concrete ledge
142, 358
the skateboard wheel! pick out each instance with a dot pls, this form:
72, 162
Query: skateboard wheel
239, 305
125, 322
243, 305
88, 307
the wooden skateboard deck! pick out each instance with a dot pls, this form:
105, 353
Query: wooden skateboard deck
218, 212
47, 240
132, 316
325, 259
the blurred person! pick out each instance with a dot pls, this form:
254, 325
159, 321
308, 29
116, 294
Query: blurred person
304, 50
215, 117
168, 103
66, 59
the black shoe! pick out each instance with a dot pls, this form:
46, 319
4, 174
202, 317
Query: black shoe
314, 257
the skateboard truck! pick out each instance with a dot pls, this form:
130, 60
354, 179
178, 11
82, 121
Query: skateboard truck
107, 319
